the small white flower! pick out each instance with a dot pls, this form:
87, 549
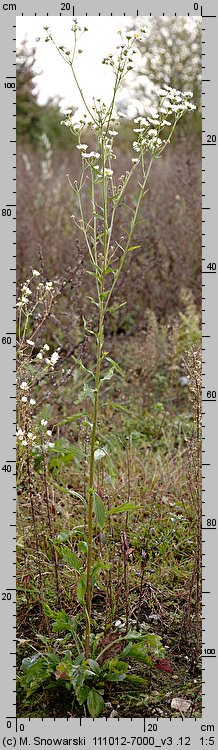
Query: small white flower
108, 172
112, 132
35, 273
49, 433
191, 106
54, 358
162, 92
136, 146
24, 385
91, 155
82, 146
39, 356
31, 343
153, 121
30, 435
24, 300
19, 433
26, 290
51, 445
24, 399
153, 131
24, 442
44, 422
32, 401
135, 161
49, 285
46, 347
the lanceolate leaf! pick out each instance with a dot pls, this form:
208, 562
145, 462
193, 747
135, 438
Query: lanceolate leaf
99, 510
95, 703
81, 589
71, 559
87, 392
67, 491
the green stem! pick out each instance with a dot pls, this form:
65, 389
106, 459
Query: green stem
133, 224
91, 483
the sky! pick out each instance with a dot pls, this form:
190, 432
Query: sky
56, 77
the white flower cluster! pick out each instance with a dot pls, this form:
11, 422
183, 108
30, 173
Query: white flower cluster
42, 288
173, 104
174, 101
25, 294
26, 438
48, 361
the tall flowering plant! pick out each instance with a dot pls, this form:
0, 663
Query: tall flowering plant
107, 254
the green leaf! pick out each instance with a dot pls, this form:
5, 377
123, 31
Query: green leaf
86, 329
99, 510
93, 301
133, 635
69, 419
107, 375
136, 680
96, 570
67, 491
82, 694
70, 559
28, 661
83, 546
61, 621
38, 671
95, 703
81, 588
94, 666
124, 508
143, 652
82, 366
78, 674
115, 405
116, 676
116, 307
87, 392
116, 366
114, 670
135, 651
